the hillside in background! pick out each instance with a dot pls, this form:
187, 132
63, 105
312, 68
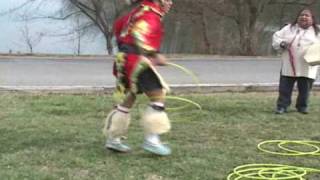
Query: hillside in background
210, 27
223, 27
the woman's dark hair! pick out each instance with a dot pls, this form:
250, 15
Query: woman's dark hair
314, 20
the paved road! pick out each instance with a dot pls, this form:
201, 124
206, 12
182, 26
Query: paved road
97, 72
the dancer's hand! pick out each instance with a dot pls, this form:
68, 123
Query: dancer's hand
159, 60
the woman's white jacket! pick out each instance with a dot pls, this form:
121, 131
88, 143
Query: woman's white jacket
300, 40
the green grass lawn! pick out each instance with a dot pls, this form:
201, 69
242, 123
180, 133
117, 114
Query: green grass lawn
59, 137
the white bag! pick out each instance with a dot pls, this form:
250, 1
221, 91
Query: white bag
312, 56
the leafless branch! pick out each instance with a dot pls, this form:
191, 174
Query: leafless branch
67, 16
27, 2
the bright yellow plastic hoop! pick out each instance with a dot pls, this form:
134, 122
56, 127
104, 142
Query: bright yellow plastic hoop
315, 145
269, 172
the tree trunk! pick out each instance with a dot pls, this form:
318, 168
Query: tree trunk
79, 45
30, 49
246, 23
109, 48
205, 32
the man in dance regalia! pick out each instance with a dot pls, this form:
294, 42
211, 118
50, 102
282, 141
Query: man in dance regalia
139, 35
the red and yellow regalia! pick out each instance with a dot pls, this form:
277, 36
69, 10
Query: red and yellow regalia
139, 35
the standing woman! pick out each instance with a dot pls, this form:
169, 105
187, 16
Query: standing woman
294, 39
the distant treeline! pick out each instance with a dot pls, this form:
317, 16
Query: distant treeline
227, 27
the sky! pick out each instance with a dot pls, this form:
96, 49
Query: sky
11, 38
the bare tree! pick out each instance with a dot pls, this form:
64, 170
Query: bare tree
96, 11
30, 38
77, 34
245, 14
199, 11
100, 15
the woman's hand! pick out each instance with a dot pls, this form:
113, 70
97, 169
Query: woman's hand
284, 45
